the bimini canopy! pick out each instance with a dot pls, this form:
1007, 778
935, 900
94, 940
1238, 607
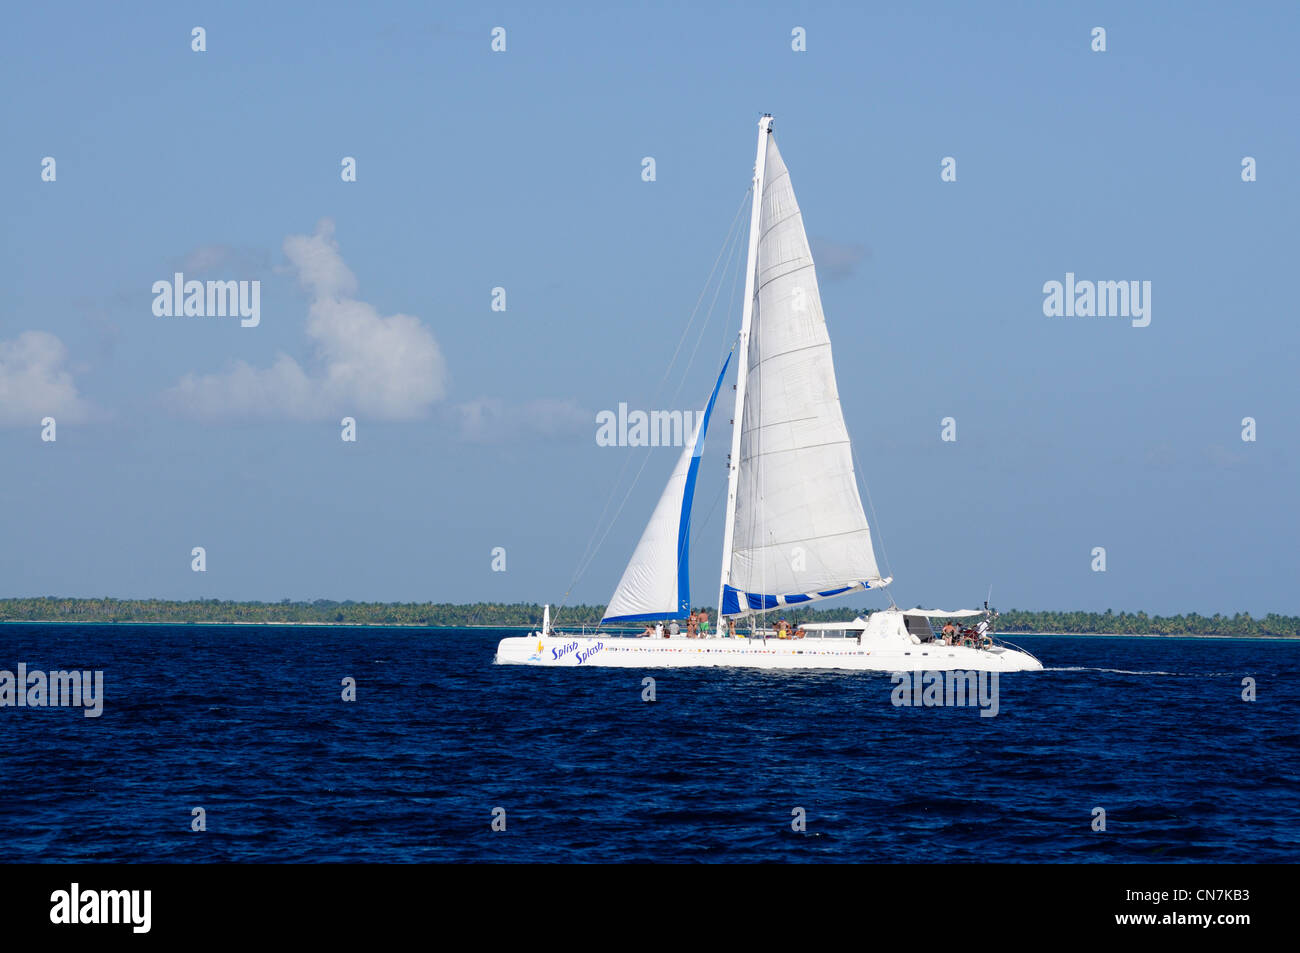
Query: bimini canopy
858, 623
944, 613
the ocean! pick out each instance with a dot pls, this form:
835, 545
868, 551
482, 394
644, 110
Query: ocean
248, 724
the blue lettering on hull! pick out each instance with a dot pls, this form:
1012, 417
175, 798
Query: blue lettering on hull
559, 653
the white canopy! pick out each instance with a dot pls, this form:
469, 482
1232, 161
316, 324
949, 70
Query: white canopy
858, 623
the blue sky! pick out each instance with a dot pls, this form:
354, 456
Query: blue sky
522, 170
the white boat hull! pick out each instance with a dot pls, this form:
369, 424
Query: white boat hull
571, 651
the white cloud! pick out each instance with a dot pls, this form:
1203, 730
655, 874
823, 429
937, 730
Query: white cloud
34, 382
245, 262
492, 420
388, 368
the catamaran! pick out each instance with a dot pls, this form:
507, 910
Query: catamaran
795, 530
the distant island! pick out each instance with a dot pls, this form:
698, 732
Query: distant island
496, 614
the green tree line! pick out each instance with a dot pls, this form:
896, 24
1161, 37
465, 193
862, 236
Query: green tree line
326, 611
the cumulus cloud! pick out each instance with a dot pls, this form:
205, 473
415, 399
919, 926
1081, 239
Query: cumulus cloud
385, 367
35, 383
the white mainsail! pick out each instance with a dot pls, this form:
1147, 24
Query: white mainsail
656, 582
798, 532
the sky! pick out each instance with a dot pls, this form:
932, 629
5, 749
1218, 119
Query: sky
523, 169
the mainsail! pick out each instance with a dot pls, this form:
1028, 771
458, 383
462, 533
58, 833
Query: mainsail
798, 532
656, 583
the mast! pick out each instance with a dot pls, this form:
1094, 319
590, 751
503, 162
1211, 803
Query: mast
742, 367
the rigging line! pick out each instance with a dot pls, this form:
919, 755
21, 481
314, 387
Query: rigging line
731, 305
613, 520
731, 242
722, 349
645, 460
713, 507
726, 242
697, 526
589, 554
584, 560
735, 246
698, 530
875, 521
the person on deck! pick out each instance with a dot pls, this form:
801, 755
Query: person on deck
704, 624
949, 631
673, 629
693, 625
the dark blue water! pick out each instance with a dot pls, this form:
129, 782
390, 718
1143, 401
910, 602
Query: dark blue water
248, 723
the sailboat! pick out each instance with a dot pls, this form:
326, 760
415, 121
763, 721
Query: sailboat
795, 530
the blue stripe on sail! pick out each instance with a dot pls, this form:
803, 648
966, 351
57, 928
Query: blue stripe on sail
642, 617
688, 496
757, 602
730, 601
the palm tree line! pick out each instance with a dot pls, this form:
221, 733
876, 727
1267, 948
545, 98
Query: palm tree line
500, 614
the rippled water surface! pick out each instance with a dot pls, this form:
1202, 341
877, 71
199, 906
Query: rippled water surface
248, 723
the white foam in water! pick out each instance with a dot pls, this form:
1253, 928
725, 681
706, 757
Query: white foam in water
1124, 671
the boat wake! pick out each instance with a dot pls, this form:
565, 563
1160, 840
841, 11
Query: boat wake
1125, 671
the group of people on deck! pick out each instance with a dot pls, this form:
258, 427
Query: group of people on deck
785, 631
697, 627
976, 638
